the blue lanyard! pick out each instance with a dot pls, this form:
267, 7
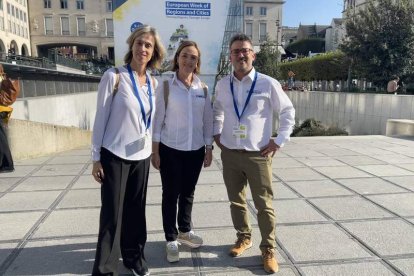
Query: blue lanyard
248, 97
134, 85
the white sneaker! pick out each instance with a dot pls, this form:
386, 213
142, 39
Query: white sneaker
173, 254
190, 239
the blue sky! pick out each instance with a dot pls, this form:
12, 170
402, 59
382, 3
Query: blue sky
310, 12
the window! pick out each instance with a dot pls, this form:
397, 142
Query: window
24, 16
81, 26
109, 27
249, 30
48, 25
249, 10
12, 10
64, 22
109, 5
1, 5
1, 23
80, 4
63, 4
47, 4
262, 32
263, 11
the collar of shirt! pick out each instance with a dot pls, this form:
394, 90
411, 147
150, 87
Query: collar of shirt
196, 82
249, 76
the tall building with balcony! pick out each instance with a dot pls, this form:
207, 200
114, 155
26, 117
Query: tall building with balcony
263, 18
14, 28
78, 29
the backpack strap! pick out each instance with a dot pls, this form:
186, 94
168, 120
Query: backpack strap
166, 94
116, 86
205, 89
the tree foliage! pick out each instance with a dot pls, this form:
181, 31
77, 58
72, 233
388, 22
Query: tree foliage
302, 47
328, 66
267, 59
380, 40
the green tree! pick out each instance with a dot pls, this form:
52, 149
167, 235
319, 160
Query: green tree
302, 47
267, 59
380, 40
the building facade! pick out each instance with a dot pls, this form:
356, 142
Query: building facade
263, 18
14, 28
335, 34
79, 29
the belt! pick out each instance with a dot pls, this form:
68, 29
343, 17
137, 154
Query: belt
243, 151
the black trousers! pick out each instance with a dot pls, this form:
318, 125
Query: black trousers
179, 175
122, 226
6, 160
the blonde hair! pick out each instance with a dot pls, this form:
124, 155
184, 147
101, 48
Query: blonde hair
159, 51
183, 44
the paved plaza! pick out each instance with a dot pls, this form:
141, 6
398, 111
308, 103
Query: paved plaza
344, 206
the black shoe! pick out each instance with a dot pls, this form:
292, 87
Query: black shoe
138, 270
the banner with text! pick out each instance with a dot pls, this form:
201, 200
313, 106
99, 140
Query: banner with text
201, 21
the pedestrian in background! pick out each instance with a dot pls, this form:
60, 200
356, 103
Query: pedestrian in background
243, 120
121, 150
9, 90
392, 85
182, 143
291, 80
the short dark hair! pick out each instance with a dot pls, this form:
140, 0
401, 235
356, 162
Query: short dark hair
240, 37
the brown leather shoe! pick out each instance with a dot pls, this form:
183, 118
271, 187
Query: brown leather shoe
269, 261
241, 245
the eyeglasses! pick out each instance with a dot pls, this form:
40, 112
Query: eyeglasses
244, 51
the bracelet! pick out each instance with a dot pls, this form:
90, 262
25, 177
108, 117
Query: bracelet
210, 147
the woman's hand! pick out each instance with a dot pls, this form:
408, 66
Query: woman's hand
156, 160
208, 157
97, 172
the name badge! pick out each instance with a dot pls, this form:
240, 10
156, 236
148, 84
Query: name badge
240, 131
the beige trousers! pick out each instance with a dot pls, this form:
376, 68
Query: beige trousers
240, 168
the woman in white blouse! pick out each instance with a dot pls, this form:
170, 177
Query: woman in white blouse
182, 143
121, 150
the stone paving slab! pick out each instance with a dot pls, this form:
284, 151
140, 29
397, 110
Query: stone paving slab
405, 265
296, 211
330, 219
387, 237
81, 198
24, 201
40, 183
296, 174
17, 225
401, 204
6, 183
319, 243
318, 188
366, 186
385, 170
403, 181
348, 269
66, 223
341, 172
345, 208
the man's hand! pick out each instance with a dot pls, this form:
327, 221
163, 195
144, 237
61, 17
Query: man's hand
217, 140
156, 160
208, 157
270, 149
97, 172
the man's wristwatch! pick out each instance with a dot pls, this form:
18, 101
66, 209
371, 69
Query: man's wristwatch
210, 147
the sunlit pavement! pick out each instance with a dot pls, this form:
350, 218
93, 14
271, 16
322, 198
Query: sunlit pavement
344, 206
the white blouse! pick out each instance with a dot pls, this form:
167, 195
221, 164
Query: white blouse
119, 126
187, 124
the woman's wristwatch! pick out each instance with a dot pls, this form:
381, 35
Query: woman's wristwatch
211, 147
